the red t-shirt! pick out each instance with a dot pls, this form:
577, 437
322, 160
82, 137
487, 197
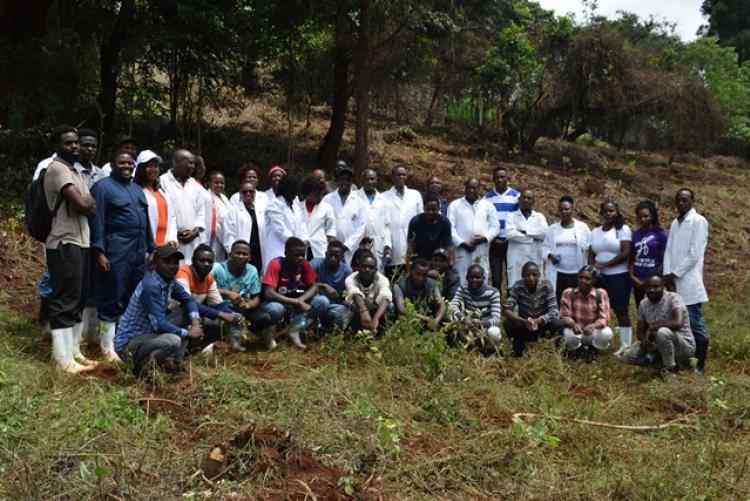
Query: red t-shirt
287, 279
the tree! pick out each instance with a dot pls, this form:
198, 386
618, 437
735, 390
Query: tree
362, 88
730, 21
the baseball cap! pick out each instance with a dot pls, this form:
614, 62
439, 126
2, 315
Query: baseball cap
166, 251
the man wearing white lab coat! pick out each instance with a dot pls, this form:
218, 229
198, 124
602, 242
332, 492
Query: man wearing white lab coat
525, 231
474, 224
282, 221
378, 228
186, 196
403, 204
349, 211
317, 216
683, 265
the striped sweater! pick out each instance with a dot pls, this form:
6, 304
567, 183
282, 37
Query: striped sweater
483, 304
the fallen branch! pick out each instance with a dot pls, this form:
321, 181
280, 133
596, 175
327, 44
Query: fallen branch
154, 399
519, 415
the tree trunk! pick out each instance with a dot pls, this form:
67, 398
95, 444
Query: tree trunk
329, 149
109, 58
362, 90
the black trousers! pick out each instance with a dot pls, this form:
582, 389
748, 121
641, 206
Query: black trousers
498, 262
521, 335
564, 281
69, 267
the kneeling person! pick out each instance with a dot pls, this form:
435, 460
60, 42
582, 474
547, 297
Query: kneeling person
663, 329
239, 285
368, 294
421, 291
531, 309
197, 280
584, 311
290, 287
145, 335
477, 307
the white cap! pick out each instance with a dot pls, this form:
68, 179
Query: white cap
146, 156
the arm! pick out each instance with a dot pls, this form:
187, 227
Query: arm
508, 309
398, 299
552, 312
492, 230
275, 222
566, 312
514, 233
603, 311
353, 241
454, 307
151, 303
538, 228
641, 330
495, 312
171, 236
548, 245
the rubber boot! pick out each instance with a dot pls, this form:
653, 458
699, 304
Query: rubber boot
626, 338
75, 340
107, 335
62, 351
268, 335
235, 339
295, 330
701, 353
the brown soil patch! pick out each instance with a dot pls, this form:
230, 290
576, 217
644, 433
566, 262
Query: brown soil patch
300, 474
672, 408
105, 373
586, 392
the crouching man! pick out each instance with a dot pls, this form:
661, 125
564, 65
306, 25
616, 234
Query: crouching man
197, 280
368, 294
145, 335
531, 309
422, 292
664, 336
477, 307
584, 311
290, 288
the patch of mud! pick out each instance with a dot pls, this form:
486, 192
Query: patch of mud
586, 392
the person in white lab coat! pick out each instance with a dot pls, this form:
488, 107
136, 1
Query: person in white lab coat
403, 204
282, 221
377, 235
349, 211
566, 248
526, 229
474, 224
316, 215
186, 198
215, 214
275, 175
246, 222
683, 266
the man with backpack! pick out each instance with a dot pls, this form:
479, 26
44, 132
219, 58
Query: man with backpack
69, 204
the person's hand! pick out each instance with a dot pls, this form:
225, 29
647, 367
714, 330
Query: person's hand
387, 252
478, 240
469, 246
103, 263
636, 281
588, 330
173, 244
375, 324
236, 299
330, 292
195, 332
184, 236
234, 319
578, 329
553, 259
531, 324
367, 322
434, 274
149, 260
599, 266
303, 306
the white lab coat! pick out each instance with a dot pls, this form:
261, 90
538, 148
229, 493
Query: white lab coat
525, 238
683, 258
320, 225
221, 203
282, 223
401, 209
153, 216
468, 220
378, 226
583, 240
350, 218
238, 225
188, 202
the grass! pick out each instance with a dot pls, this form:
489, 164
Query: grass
401, 417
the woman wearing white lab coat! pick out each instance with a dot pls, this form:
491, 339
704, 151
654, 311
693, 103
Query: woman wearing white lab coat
238, 225
563, 263
282, 221
474, 224
403, 204
317, 217
525, 231
147, 176
217, 207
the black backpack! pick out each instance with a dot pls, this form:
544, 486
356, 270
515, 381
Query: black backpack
38, 214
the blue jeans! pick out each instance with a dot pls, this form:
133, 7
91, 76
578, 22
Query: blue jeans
696, 323
337, 316
290, 314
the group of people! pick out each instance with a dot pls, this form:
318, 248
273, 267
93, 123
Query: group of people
160, 263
